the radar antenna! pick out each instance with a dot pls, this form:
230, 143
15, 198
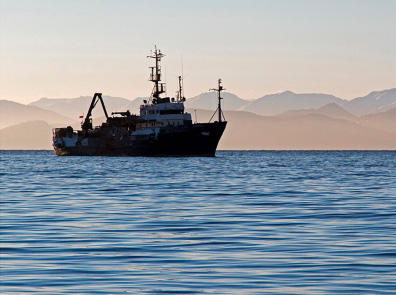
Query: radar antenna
219, 89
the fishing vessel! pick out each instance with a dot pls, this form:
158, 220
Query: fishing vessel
163, 127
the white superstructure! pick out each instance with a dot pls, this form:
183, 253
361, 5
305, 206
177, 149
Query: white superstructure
167, 114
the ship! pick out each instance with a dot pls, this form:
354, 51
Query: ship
162, 128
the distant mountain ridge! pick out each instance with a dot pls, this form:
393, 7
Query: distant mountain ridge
268, 105
208, 101
331, 110
374, 102
274, 104
301, 131
278, 103
75, 107
328, 127
30, 135
310, 131
12, 113
278, 121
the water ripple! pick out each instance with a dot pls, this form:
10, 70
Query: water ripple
243, 223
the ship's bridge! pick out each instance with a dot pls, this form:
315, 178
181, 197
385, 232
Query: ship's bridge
169, 113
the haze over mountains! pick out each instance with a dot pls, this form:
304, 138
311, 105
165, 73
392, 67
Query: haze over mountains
75, 107
272, 104
14, 113
311, 131
277, 121
275, 104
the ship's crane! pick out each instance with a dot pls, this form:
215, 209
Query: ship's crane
87, 125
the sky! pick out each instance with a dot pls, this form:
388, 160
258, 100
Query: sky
61, 49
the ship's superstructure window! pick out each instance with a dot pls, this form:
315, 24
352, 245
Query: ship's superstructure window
166, 112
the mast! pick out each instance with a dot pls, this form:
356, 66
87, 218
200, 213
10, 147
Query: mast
155, 75
219, 89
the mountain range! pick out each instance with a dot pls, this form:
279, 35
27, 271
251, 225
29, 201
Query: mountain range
269, 105
12, 113
309, 131
284, 120
275, 104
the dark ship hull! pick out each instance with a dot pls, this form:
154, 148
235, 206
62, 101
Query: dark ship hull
195, 140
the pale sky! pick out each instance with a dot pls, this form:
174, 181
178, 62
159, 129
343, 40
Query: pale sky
73, 48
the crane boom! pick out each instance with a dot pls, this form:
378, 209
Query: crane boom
88, 121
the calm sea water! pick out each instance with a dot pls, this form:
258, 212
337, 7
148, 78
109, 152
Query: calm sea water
240, 223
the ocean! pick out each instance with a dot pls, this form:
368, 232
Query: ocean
244, 222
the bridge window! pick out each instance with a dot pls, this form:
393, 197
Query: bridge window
167, 112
